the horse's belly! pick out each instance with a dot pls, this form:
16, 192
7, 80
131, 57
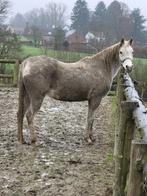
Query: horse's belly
68, 95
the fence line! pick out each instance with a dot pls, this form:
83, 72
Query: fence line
7, 80
130, 146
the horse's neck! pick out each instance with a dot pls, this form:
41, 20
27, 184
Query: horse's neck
112, 60
115, 71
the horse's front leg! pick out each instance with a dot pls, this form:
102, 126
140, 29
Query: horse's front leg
92, 106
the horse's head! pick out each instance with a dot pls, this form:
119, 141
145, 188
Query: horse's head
126, 54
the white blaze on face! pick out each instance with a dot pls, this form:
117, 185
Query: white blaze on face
126, 55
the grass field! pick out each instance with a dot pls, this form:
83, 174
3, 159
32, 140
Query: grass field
61, 55
140, 70
140, 61
32, 51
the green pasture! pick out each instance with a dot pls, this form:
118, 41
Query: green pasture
30, 51
140, 69
140, 61
61, 55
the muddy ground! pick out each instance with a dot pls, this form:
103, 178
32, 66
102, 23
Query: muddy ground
61, 163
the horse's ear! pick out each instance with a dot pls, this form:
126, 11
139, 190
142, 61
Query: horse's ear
122, 41
131, 42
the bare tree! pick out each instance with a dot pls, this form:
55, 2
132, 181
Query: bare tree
32, 17
46, 19
4, 8
18, 21
56, 14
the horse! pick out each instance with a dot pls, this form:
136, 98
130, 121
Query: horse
88, 79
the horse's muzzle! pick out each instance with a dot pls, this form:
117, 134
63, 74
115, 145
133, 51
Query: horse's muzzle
129, 69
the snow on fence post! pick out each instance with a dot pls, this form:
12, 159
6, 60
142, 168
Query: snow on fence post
137, 183
140, 113
130, 155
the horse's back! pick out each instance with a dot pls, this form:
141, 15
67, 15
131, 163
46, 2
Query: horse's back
39, 73
38, 64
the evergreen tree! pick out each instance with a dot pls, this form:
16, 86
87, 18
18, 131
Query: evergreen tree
97, 22
59, 36
100, 10
139, 33
80, 17
113, 15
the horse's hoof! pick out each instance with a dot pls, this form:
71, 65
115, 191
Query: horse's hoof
21, 141
88, 140
33, 141
92, 138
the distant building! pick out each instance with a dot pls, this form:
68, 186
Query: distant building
77, 42
11, 29
98, 36
48, 40
74, 37
18, 31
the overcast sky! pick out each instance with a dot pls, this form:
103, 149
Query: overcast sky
23, 6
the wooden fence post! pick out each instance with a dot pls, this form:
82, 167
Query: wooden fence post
120, 97
125, 135
15, 73
124, 132
128, 137
138, 173
131, 113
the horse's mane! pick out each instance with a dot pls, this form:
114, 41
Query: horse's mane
108, 55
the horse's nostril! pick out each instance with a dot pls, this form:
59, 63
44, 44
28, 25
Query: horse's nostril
129, 69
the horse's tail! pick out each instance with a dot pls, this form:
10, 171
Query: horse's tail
20, 113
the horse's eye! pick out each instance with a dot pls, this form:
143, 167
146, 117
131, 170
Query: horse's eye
120, 52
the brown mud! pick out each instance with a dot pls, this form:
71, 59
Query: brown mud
61, 163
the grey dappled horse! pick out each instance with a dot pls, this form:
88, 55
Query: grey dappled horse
88, 79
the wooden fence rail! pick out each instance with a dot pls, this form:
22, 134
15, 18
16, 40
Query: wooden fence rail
130, 141
10, 80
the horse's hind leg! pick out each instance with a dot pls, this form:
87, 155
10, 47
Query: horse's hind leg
92, 106
25, 107
35, 105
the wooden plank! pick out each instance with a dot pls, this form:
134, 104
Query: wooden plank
13, 61
137, 175
6, 76
15, 73
6, 85
140, 112
125, 135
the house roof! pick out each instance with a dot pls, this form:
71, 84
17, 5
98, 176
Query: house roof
70, 32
